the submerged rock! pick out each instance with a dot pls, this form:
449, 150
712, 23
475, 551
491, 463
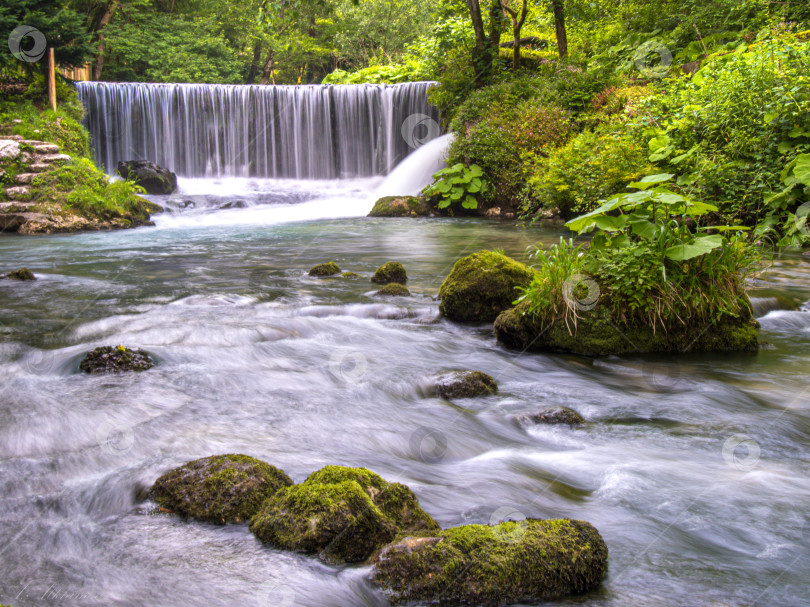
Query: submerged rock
350, 275
513, 562
219, 489
395, 289
151, 177
391, 271
21, 274
329, 268
400, 206
597, 334
343, 514
107, 359
481, 286
465, 384
558, 415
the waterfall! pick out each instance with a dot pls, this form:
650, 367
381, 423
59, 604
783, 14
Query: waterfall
301, 132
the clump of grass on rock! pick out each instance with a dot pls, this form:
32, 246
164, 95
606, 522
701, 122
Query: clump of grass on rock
219, 489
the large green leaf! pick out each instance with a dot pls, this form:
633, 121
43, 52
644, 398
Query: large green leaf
802, 169
651, 180
701, 246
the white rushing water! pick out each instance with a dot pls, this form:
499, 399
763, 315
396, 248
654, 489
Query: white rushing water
304, 132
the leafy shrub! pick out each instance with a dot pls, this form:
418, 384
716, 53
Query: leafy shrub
499, 141
410, 71
590, 167
458, 184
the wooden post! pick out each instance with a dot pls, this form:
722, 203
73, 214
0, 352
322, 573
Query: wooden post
51, 79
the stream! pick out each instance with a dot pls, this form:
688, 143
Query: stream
695, 469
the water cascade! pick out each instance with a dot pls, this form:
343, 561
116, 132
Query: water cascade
301, 132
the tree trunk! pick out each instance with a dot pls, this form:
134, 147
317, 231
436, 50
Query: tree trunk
267, 71
102, 46
559, 26
254, 65
479, 52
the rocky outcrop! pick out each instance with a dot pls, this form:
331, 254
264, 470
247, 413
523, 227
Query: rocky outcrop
21, 274
151, 177
481, 286
400, 206
523, 562
465, 384
596, 333
557, 415
329, 268
394, 289
219, 489
342, 514
121, 359
391, 271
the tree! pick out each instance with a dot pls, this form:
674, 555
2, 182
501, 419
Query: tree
558, 8
518, 19
486, 45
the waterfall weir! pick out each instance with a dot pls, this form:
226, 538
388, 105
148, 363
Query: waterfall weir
301, 132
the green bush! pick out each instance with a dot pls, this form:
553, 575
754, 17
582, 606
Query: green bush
499, 142
458, 185
590, 167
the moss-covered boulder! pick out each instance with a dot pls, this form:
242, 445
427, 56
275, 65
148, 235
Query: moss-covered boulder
342, 514
329, 268
219, 489
465, 384
394, 289
391, 271
514, 562
557, 415
151, 177
597, 334
21, 274
120, 359
400, 206
481, 286
350, 275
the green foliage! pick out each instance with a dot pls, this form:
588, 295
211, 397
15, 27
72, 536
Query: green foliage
379, 74
458, 184
78, 185
590, 167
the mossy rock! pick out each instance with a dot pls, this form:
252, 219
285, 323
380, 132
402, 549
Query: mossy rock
325, 269
597, 334
513, 562
219, 489
21, 274
391, 271
342, 514
350, 275
400, 206
465, 384
481, 286
107, 359
558, 415
394, 289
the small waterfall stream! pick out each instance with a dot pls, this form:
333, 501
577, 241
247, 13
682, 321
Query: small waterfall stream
300, 132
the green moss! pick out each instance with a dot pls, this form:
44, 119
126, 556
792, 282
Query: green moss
350, 275
344, 514
395, 289
514, 562
391, 271
399, 206
597, 334
465, 384
325, 269
559, 415
219, 489
21, 274
481, 286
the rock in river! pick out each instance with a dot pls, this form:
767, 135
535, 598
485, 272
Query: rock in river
219, 489
107, 359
